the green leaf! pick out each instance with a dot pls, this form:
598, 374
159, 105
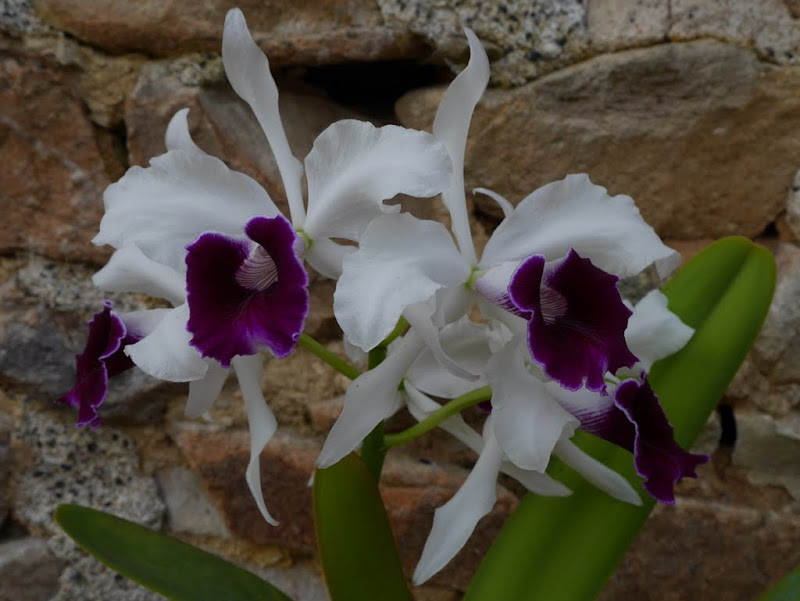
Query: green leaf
787, 589
566, 549
161, 563
356, 547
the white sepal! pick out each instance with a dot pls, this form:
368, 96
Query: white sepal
165, 353
599, 474
248, 72
261, 421
129, 270
402, 260
355, 166
655, 332
203, 393
575, 213
326, 256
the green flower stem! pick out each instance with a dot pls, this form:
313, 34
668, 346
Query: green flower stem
401, 327
373, 450
332, 359
457, 405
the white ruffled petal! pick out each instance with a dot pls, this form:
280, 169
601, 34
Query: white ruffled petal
528, 421
261, 421
129, 270
454, 522
355, 166
140, 323
185, 192
165, 353
326, 256
575, 213
599, 474
451, 126
248, 72
655, 332
370, 399
203, 393
402, 260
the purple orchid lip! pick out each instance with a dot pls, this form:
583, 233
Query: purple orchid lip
637, 422
246, 295
102, 358
576, 319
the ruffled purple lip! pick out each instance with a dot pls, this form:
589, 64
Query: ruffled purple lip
246, 295
637, 422
576, 319
102, 358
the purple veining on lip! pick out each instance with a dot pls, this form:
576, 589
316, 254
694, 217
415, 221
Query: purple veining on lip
246, 295
576, 319
657, 456
102, 358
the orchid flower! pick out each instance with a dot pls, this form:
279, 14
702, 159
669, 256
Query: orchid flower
212, 242
554, 261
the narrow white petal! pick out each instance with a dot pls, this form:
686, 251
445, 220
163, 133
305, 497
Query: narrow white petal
599, 474
248, 72
183, 193
355, 166
454, 522
370, 399
165, 353
575, 213
326, 256
504, 204
261, 422
655, 332
451, 126
177, 136
528, 421
203, 392
419, 317
536, 482
129, 270
402, 260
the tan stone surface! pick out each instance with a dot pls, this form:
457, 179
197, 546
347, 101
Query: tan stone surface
617, 24
291, 32
682, 128
52, 172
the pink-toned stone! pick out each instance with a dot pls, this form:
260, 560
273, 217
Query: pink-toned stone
51, 170
291, 32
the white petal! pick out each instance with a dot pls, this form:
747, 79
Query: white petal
655, 332
370, 399
402, 260
355, 166
464, 342
528, 420
419, 317
183, 193
536, 482
203, 392
599, 474
165, 353
501, 201
326, 256
454, 522
248, 72
129, 270
141, 323
261, 422
590, 407
575, 213
177, 136
421, 406
451, 126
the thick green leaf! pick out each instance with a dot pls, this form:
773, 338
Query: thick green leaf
566, 549
787, 589
356, 547
161, 563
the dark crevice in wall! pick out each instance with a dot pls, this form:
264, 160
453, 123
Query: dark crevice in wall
727, 422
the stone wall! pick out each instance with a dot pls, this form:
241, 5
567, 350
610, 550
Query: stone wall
690, 106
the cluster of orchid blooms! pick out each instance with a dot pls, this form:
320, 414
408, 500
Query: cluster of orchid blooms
555, 343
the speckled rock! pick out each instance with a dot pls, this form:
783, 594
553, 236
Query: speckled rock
28, 570
615, 24
89, 580
96, 468
6, 426
52, 172
311, 32
524, 39
793, 208
768, 26
17, 18
664, 124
